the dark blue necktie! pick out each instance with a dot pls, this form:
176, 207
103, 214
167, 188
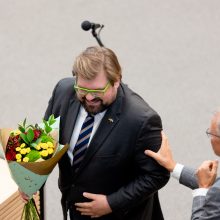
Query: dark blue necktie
82, 141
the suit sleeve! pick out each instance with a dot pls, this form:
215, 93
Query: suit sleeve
49, 109
150, 176
188, 178
207, 207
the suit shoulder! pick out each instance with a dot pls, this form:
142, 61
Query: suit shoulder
64, 89
136, 105
65, 83
138, 111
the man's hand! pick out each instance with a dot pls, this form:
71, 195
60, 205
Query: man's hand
96, 208
207, 173
24, 197
164, 156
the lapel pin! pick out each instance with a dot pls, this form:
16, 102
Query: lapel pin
110, 120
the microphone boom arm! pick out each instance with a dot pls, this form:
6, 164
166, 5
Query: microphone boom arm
96, 36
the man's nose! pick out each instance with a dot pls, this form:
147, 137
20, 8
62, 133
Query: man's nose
89, 97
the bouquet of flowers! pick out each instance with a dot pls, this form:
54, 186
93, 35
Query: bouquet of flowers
32, 152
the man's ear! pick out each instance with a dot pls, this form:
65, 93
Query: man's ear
116, 84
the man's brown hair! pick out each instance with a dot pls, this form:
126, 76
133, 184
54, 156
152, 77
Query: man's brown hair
95, 59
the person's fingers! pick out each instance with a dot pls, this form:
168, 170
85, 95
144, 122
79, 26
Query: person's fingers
152, 154
206, 163
91, 196
84, 210
83, 204
164, 137
23, 196
165, 147
87, 213
208, 166
214, 167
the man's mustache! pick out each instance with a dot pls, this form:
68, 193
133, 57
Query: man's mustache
93, 100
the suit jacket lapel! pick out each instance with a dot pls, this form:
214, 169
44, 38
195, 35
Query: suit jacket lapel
70, 119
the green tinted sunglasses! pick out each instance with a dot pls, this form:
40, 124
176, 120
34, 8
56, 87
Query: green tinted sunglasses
94, 92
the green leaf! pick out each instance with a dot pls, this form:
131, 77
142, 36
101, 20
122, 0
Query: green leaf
38, 140
47, 124
24, 122
30, 135
21, 128
46, 138
24, 137
33, 145
51, 117
48, 129
33, 155
51, 120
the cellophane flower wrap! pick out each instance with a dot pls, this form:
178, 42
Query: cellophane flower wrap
31, 153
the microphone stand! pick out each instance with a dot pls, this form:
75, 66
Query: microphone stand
97, 36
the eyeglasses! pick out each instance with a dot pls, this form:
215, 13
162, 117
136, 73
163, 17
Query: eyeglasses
209, 134
96, 93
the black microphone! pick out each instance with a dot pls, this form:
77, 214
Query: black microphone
87, 25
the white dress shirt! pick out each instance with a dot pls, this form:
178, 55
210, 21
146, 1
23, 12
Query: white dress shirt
79, 121
176, 174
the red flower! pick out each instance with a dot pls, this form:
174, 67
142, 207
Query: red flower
13, 142
37, 134
11, 154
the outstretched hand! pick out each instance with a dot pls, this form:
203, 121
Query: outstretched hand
207, 173
164, 156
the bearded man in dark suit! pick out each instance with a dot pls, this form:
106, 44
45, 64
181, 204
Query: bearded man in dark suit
112, 179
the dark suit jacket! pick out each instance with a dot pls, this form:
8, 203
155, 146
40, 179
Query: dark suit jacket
114, 164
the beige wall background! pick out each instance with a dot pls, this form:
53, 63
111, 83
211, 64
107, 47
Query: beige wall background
169, 51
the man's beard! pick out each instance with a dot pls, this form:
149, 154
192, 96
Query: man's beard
94, 109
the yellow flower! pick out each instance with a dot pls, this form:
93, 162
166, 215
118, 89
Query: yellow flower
23, 151
28, 150
50, 144
16, 132
18, 156
44, 145
25, 159
50, 151
44, 153
38, 147
19, 160
23, 145
17, 148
